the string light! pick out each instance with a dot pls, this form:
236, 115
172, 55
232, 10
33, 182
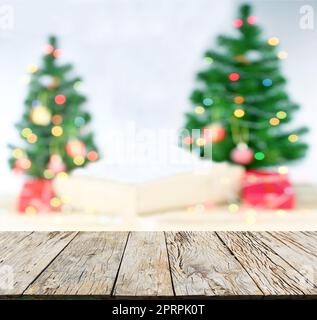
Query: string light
79, 121
60, 99
57, 53
208, 60
267, 82
281, 115
208, 102
79, 160
293, 138
32, 138
200, 142
282, 170
239, 113
48, 49
251, 20
62, 175
48, 174
55, 202
26, 132
92, 155
259, 156
57, 131
199, 110
77, 85
234, 76
24, 163
17, 153
32, 68
274, 122
282, 55
233, 207
238, 100
273, 41
237, 23
57, 119
30, 210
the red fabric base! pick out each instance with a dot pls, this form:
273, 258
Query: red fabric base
267, 190
37, 194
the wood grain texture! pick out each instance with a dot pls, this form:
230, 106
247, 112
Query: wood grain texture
144, 270
201, 265
28, 254
88, 266
299, 249
273, 275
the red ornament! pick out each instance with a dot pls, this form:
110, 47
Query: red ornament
234, 76
36, 196
56, 163
267, 190
60, 99
214, 133
251, 20
57, 53
92, 155
48, 49
237, 23
75, 148
242, 154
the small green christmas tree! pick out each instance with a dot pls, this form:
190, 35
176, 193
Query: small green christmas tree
54, 124
241, 106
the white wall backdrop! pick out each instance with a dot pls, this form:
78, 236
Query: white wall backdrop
139, 58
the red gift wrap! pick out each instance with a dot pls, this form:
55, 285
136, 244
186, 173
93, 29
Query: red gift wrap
36, 196
267, 190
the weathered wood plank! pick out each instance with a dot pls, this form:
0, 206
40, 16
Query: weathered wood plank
27, 255
144, 270
201, 265
88, 266
273, 275
298, 249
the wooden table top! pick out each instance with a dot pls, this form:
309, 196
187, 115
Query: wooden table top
151, 264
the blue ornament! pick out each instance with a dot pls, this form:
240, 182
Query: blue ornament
267, 82
208, 102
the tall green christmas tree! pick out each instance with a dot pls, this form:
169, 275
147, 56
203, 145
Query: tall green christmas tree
241, 105
54, 126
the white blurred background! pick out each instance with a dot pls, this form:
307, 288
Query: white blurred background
138, 59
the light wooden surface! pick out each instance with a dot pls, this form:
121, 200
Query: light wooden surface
158, 264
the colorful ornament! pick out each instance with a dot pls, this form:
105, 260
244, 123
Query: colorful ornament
267, 82
237, 23
60, 99
234, 76
56, 163
75, 148
40, 115
242, 154
92, 155
251, 20
214, 133
208, 102
273, 41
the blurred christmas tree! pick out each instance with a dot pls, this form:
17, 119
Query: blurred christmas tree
241, 105
54, 124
